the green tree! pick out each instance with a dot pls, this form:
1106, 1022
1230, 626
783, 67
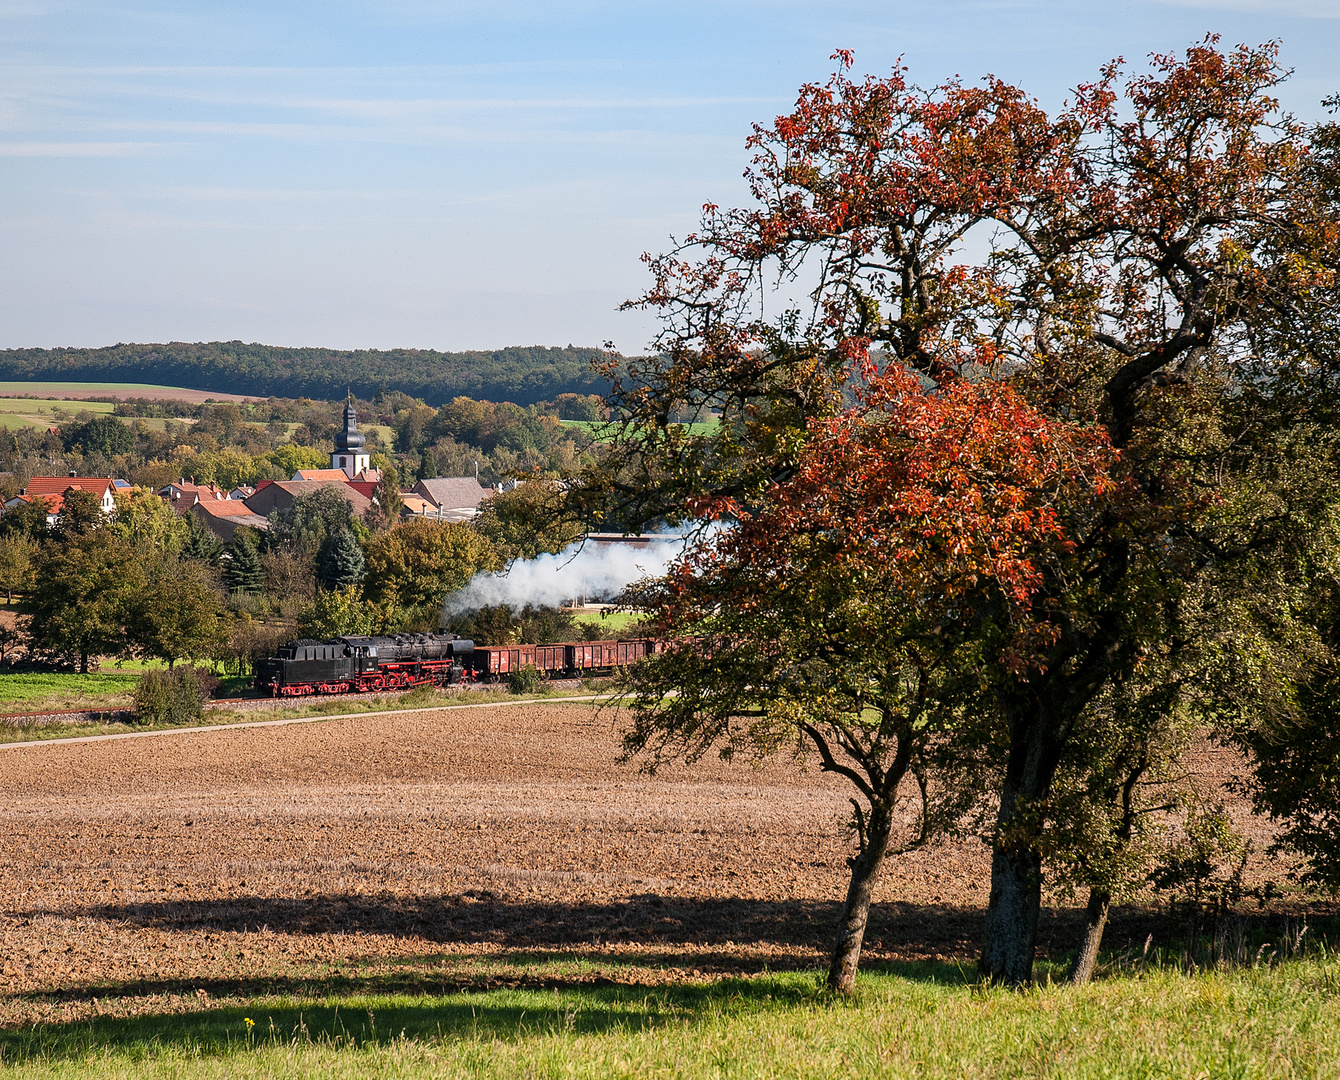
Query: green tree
243, 571
28, 518
105, 435
177, 614
501, 625
17, 550
147, 521
529, 520
90, 584
80, 512
340, 561
304, 526
416, 563
201, 544
341, 611
387, 499
289, 458
427, 464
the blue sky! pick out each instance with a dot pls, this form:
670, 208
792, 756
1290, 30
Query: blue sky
456, 174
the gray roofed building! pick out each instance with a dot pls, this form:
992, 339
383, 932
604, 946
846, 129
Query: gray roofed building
223, 517
456, 497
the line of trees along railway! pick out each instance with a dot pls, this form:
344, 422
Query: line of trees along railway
1021, 527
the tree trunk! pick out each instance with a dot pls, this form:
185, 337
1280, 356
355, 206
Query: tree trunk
865, 869
1016, 862
1012, 915
83, 663
1100, 903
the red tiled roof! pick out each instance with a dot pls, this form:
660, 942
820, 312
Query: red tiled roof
47, 486
322, 474
54, 502
201, 491
224, 507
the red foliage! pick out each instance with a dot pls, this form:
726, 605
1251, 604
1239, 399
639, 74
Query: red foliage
944, 499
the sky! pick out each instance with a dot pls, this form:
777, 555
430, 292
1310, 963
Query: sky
458, 174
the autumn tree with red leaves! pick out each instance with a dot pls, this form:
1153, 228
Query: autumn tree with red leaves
1156, 303
849, 610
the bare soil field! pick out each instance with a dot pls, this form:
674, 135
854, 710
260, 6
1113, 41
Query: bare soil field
431, 851
74, 391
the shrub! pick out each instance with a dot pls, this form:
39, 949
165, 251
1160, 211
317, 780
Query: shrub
174, 696
525, 680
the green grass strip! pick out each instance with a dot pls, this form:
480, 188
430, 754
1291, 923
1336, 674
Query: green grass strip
914, 1022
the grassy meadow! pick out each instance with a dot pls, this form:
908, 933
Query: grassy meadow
39, 691
54, 692
907, 1021
611, 624
44, 412
19, 412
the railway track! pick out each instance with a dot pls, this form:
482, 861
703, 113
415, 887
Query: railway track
75, 716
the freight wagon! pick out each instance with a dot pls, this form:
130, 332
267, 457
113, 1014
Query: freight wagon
357, 664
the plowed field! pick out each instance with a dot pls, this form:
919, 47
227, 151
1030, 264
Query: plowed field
426, 850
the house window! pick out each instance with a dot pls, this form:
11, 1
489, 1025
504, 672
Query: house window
342, 463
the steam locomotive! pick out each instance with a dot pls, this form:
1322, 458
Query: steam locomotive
403, 661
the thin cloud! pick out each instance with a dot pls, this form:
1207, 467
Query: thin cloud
1301, 9
76, 149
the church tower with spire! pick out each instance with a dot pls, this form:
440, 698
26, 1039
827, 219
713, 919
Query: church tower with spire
350, 453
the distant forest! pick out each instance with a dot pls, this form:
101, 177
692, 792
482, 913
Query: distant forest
524, 375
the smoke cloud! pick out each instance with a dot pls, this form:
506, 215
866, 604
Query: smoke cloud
595, 572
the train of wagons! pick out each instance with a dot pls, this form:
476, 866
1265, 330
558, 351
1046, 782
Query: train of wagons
402, 661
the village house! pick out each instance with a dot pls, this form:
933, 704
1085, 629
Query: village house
53, 489
451, 498
272, 495
183, 495
223, 517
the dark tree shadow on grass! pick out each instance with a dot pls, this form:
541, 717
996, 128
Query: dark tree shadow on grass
364, 1017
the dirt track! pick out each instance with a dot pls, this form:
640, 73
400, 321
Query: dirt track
394, 851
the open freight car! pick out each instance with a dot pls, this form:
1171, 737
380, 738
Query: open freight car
566, 659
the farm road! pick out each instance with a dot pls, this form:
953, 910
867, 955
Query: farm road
386, 846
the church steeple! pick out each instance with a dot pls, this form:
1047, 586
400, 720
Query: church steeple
349, 453
350, 438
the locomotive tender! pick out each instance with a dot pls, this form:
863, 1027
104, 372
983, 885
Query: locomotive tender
358, 664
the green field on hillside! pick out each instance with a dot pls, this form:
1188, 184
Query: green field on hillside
44, 412
912, 1020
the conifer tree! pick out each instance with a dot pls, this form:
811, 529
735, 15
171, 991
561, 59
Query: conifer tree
201, 544
244, 572
340, 561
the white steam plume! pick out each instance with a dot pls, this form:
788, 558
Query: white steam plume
595, 571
